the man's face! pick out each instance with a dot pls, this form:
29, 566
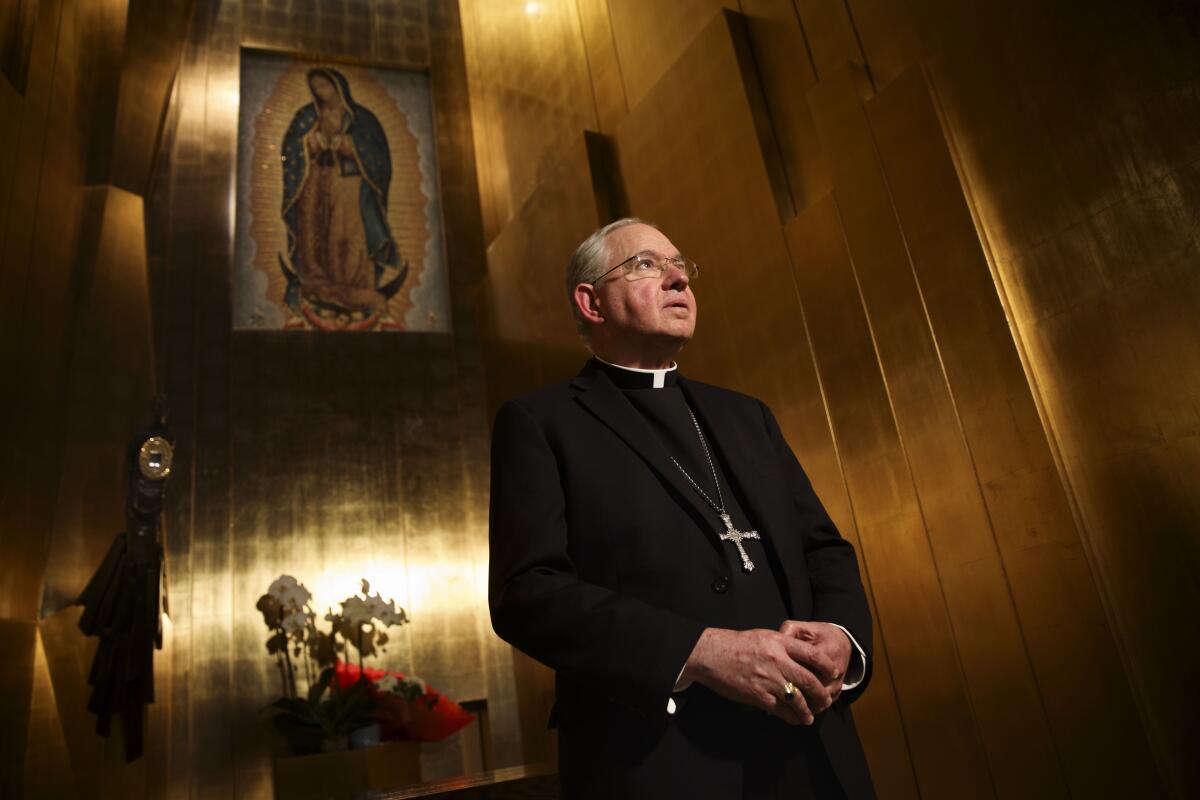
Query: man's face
653, 308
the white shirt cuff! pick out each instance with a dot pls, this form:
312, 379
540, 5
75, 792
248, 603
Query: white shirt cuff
857, 668
679, 687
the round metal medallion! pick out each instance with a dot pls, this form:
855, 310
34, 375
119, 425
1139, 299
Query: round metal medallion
155, 457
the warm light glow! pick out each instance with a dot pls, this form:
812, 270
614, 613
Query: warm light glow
532, 8
416, 587
229, 97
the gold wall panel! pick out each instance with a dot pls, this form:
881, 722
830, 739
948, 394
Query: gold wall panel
47, 766
1036, 535
531, 329
108, 390
707, 186
604, 67
829, 31
888, 33
394, 32
75, 332
785, 69
1008, 714
650, 37
531, 94
16, 700
153, 41
1070, 143
36, 294
948, 757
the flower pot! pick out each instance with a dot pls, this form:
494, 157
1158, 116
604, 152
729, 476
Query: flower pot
335, 744
347, 775
366, 736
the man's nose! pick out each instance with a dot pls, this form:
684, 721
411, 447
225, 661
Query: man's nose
675, 278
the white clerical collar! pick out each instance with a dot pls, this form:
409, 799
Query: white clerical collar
660, 375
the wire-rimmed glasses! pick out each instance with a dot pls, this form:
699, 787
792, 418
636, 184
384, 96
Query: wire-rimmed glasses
652, 265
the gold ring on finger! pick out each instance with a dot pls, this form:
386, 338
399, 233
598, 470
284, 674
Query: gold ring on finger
789, 690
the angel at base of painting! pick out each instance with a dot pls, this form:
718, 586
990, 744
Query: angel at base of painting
342, 265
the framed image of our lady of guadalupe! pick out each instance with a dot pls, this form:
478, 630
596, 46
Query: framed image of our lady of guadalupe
339, 224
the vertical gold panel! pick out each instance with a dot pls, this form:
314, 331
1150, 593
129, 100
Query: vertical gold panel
532, 92
786, 70
940, 732
650, 37
395, 32
830, 35
17, 678
108, 390
603, 64
47, 767
153, 42
36, 302
215, 727
1070, 139
532, 331
888, 35
1003, 691
1061, 618
707, 186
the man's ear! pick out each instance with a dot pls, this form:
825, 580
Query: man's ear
588, 303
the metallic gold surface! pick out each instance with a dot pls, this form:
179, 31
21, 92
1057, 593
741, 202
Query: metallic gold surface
47, 765
786, 70
1080, 186
604, 67
395, 32
36, 300
1035, 534
650, 37
829, 32
41, 132
1012, 726
889, 37
948, 758
153, 42
531, 95
527, 305
17, 674
107, 393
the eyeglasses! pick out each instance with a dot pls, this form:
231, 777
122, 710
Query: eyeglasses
652, 265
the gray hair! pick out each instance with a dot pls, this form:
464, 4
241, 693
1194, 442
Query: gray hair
590, 261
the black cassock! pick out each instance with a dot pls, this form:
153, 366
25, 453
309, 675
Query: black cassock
606, 565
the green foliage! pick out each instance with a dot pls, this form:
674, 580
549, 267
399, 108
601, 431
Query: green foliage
309, 721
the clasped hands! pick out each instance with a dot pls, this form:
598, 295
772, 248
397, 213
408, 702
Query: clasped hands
751, 667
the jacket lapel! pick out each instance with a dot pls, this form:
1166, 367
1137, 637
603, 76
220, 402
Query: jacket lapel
603, 399
738, 446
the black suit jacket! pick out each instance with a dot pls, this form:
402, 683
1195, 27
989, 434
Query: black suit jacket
606, 566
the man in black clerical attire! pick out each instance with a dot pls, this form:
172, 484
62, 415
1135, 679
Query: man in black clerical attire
655, 542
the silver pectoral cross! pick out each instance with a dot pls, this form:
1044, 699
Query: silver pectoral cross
732, 534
